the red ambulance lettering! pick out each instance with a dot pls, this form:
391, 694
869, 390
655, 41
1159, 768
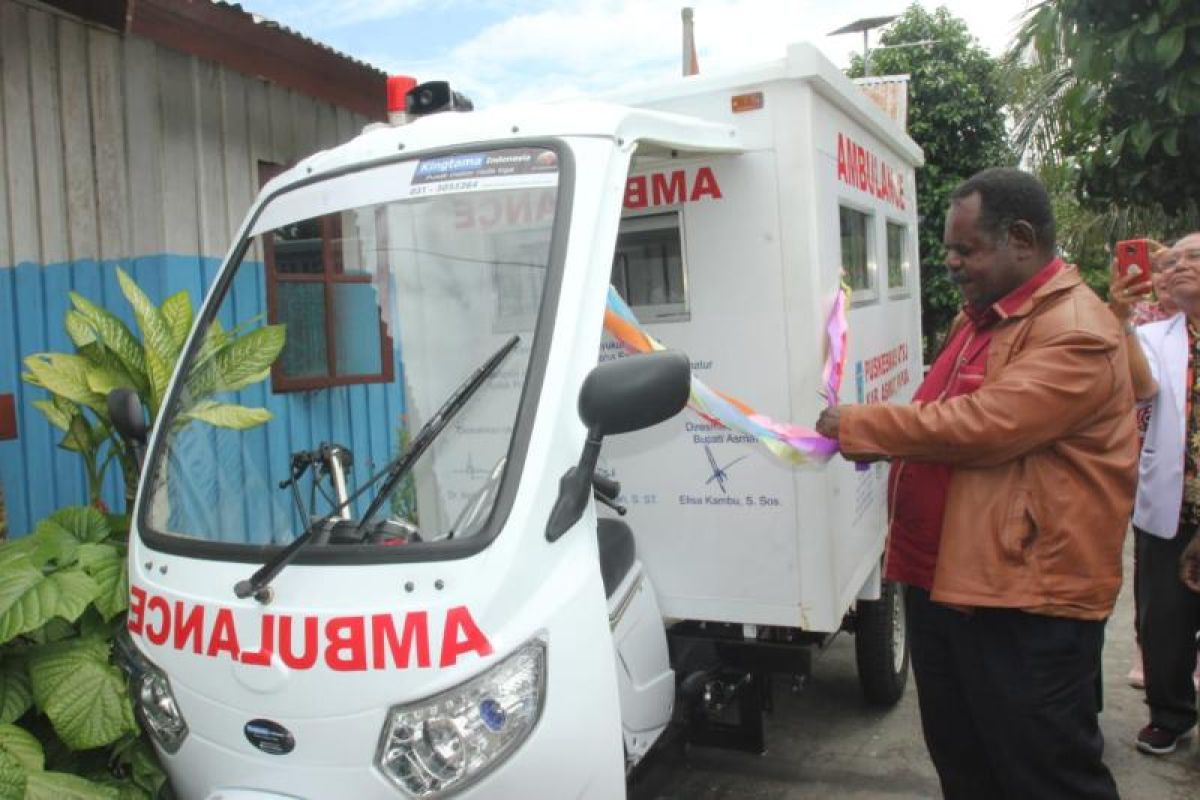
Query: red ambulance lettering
635, 192
262, 657
859, 167
309, 656
137, 607
159, 635
342, 644
347, 648
458, 620
668, 194
670, 189
415, 635
705, 186
188, 627
224, 635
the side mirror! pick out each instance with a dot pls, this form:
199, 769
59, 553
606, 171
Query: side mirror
635, 392
618, 397
125, 412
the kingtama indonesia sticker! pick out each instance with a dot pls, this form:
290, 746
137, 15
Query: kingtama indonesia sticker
489, 169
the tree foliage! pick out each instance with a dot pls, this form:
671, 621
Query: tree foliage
67, 727
955, 113
1129, 103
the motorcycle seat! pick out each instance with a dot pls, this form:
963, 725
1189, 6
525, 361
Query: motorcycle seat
617, 552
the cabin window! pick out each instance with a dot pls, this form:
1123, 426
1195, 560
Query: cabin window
856, 252
319, 284
897, 257
648, 267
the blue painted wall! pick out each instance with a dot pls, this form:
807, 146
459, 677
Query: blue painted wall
39, 477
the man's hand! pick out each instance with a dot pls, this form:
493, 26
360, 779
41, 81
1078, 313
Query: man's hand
827, 423
1125, 291
827, 426
1189, 564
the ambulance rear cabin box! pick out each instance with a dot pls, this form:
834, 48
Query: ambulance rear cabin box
737, 261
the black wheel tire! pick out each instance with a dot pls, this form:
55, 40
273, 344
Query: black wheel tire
881, 646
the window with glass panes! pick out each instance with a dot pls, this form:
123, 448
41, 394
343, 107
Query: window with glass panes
648, 269
856, 249
897, 256
319, 275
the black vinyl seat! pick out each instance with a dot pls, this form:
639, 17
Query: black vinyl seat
617, 552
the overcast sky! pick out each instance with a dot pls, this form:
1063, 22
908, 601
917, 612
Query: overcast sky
506, 50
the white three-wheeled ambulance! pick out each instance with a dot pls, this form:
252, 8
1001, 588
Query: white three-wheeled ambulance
399, 567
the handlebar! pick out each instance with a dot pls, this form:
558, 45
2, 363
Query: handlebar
606, 490
606, 486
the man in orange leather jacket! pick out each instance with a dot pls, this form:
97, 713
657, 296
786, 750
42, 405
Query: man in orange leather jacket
1012, 482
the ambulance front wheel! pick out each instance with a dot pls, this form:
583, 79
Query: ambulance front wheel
881, 646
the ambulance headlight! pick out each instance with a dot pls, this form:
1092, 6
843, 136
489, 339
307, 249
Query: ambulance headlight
442, 744
153, 702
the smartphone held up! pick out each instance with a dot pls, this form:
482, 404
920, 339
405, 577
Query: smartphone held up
1133, 259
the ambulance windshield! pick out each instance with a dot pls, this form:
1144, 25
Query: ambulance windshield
359, 306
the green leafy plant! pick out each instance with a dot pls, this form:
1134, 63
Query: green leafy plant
109, 356
67, 728
1117, 97
404, 498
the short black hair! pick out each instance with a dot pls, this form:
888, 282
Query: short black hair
1008, 195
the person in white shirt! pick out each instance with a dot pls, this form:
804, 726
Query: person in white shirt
1164, 359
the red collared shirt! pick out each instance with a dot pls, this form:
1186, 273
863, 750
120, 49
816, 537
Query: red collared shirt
917, 491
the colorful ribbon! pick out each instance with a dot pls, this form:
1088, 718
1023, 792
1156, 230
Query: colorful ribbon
793, 443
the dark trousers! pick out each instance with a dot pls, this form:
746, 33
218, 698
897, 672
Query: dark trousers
1168, 621
1008, 702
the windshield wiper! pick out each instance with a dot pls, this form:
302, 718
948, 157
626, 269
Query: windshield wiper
259, 583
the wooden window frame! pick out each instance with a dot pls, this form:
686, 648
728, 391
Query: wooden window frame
332, 274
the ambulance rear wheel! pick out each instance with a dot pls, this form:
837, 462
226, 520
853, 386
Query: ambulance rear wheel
881, 646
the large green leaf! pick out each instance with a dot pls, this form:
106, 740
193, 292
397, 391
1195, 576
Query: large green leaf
22, 745
56, 630
17, 579
159, 373
244, 360
16, 552
65, 375
85, 523
157, 337
83, 695
12, 777
52, 543
79, 328
228, 415
79, 436
114, 333
28, 602
62, 786
102, 379
100, 356
108, 567
1142, 134
55, 415
16, 693
125, 788
140, 763
177, 311
1169, 46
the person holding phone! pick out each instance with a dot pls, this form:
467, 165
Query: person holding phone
1011, 484
1135, 301
1164, 361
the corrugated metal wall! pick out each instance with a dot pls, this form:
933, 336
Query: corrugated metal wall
114, 150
